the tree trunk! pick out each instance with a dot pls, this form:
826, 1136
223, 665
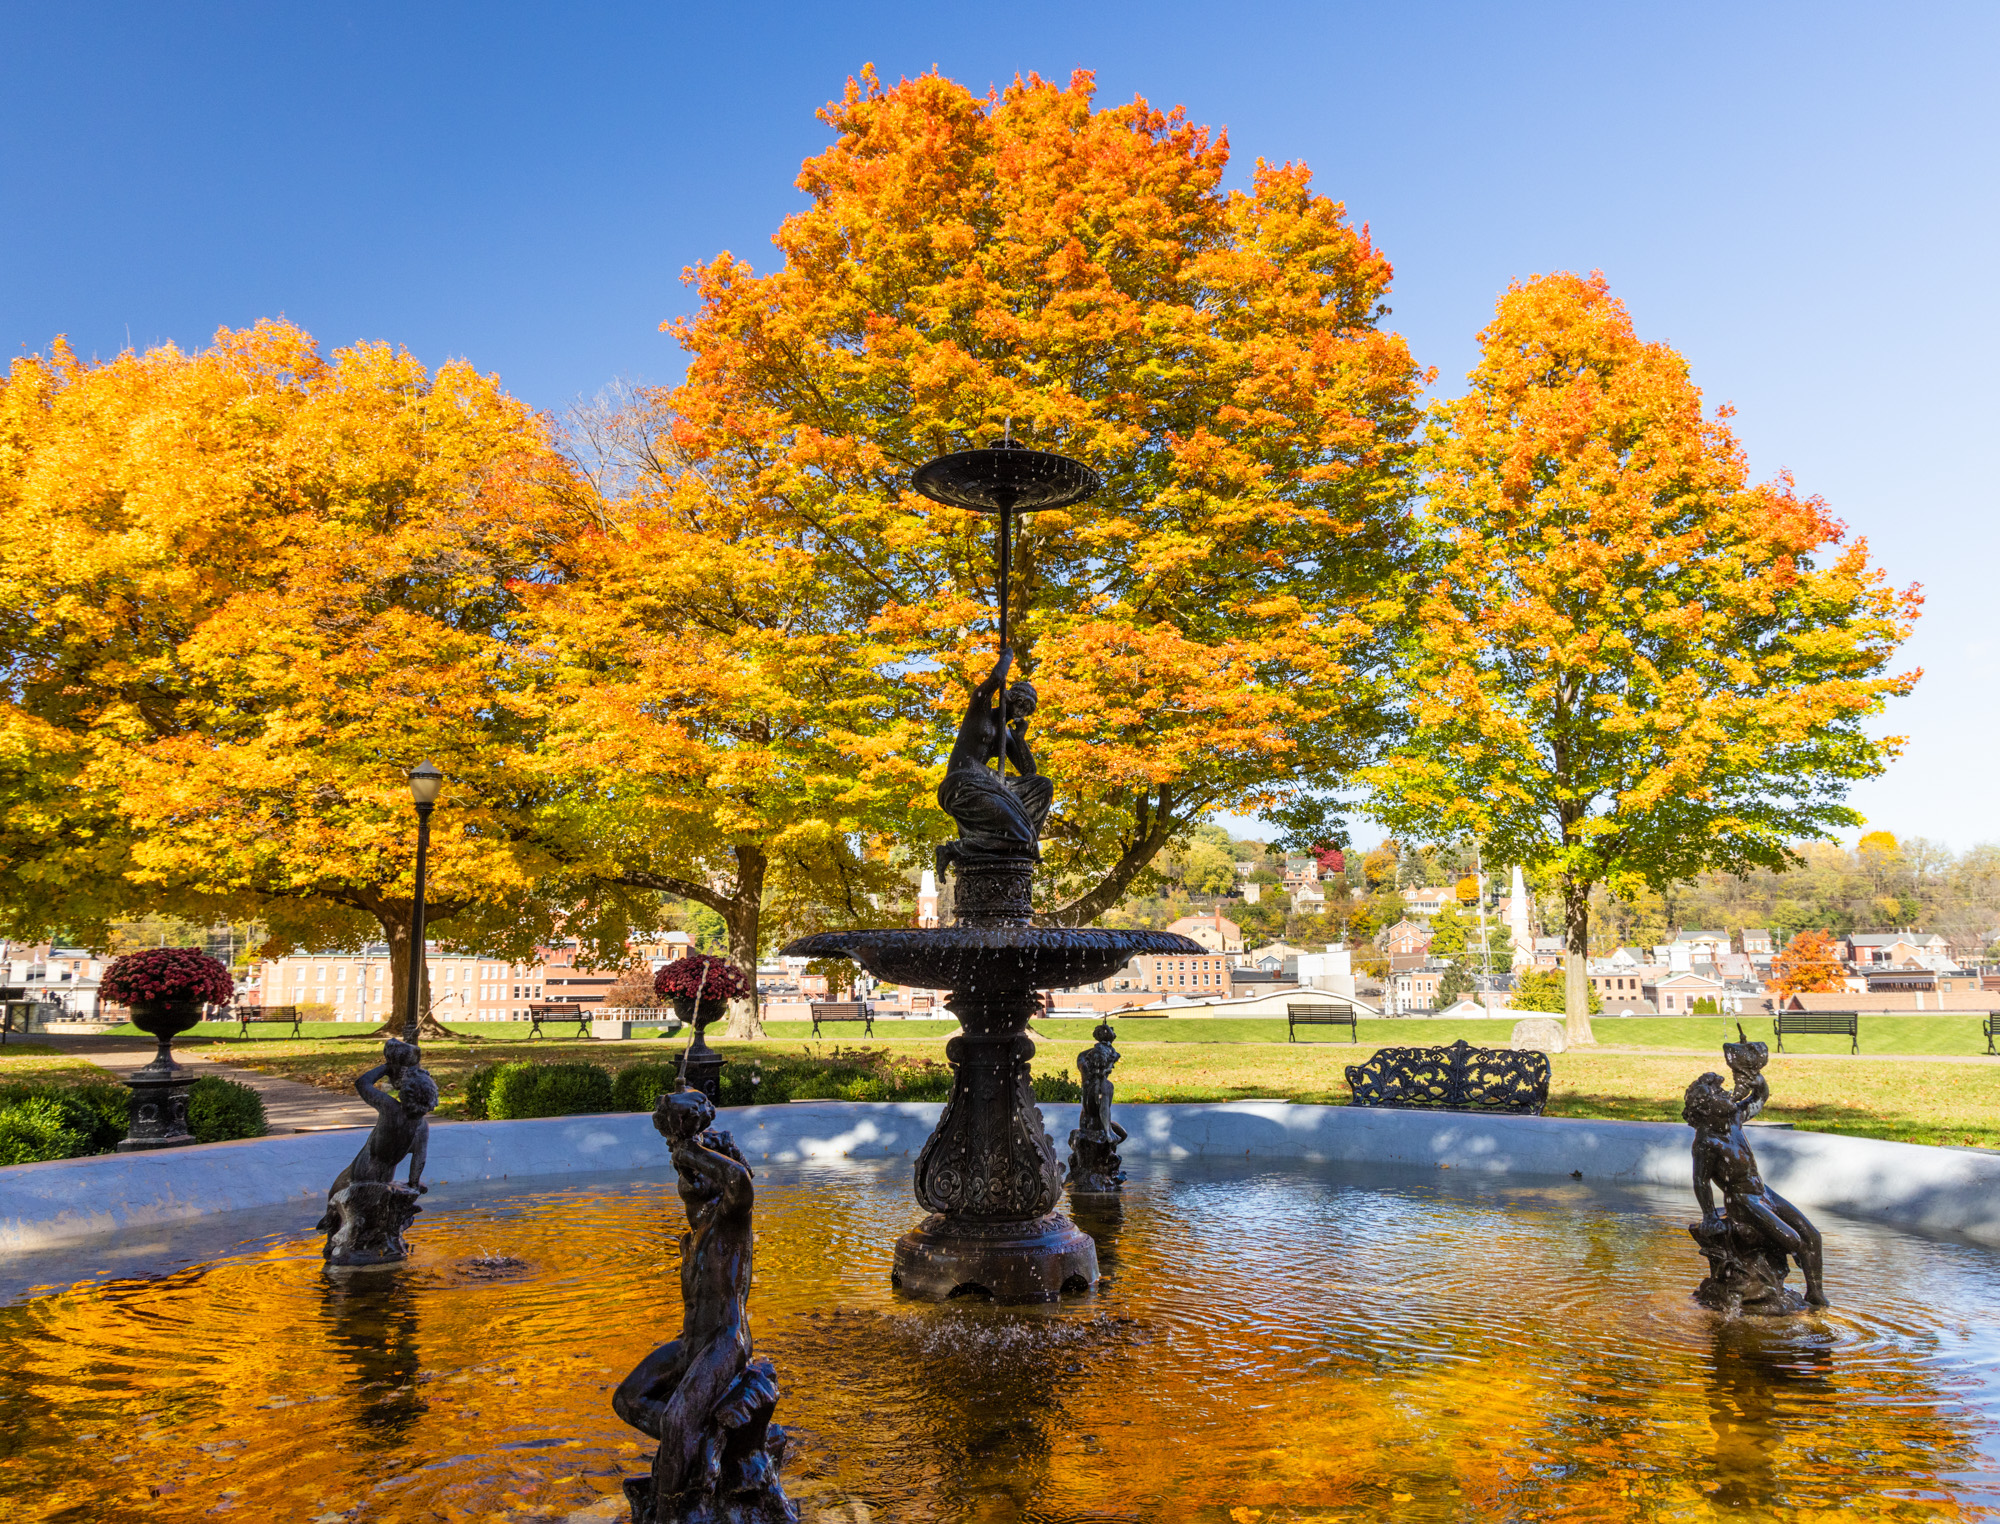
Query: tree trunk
396, 930
740, 917
1576, 962
1153, 825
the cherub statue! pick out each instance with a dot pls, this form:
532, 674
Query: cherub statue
999, 819
702, 1396
1748, 1238
1094, 1165
366, 1212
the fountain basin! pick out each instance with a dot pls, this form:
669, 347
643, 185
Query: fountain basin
1279, 1338
989, 958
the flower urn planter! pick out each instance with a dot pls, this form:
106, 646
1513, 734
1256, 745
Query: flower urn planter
702, 1065
160, 1089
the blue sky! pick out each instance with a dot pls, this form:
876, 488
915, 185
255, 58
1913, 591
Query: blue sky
1801, 198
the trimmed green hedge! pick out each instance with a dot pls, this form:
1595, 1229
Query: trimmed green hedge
61, 1121
638, 1087
220, 1109
522, 1090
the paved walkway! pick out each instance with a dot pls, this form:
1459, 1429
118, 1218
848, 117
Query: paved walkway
288, 1105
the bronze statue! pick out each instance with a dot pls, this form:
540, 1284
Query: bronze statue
1748, 1239
702, 1396
999, 818
1093, 1143
366, 1211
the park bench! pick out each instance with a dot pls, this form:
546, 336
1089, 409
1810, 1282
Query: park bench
843, 1010
558, 1010
1458, 1078
1991, 1027
261, 1014
1818, 1024
1329, 1014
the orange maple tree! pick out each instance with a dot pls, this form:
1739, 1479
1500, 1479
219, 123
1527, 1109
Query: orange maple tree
1210, 631
1631, 664
1809, 965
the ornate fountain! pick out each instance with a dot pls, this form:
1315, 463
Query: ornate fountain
989, 1175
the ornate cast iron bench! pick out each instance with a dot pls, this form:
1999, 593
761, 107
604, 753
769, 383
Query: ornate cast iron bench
1819, 1024
245, 1014
1458, 1078
843, 1010
1328, 1015
558, 1010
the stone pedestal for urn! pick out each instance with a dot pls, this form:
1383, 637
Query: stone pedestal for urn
160, 1090
989, 1175
702, 1065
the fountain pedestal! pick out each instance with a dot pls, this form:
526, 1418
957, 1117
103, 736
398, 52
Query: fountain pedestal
989, 1173
989, 1176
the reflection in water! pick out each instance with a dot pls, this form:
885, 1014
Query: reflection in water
371, 1319
1268, 1347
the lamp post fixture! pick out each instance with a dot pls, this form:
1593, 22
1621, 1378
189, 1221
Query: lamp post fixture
425, 781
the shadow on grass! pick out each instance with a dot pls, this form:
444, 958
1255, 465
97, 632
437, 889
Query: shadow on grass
1849, 1121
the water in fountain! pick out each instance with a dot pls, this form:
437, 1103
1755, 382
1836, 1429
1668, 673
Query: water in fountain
1271, 1344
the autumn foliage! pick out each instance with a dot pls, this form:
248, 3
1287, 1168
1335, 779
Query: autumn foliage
1632, 663
241, 592
1809, 965
1207, 631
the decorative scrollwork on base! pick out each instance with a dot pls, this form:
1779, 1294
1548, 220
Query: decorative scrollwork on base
1458, 1078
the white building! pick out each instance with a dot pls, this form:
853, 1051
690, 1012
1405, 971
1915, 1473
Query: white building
60, 976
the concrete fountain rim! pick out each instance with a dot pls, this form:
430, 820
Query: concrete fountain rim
1905, 1185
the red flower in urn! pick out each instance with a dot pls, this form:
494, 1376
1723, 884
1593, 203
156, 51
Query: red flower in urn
167, 976
703, 976
165, 989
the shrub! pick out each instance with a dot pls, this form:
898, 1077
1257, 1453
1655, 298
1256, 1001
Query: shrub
220, 1109
1057, 1087
47, 1126
101, 1111
638, 1087
524, 1090
479, 1089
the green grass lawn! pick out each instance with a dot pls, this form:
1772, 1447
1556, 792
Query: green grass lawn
1879, 1034
1190, 1060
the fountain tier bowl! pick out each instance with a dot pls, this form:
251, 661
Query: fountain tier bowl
985, 959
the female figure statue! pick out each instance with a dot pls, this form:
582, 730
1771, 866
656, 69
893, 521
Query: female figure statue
999, 819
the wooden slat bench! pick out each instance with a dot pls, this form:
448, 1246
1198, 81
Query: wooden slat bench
1991, 1027
1328, 1014
246, 1014
843, 1010
558, 1010
1818, 1024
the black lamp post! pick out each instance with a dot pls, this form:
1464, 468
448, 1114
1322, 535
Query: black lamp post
425, 781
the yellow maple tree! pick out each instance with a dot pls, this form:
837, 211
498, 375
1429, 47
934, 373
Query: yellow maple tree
246, 589
1630, 663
